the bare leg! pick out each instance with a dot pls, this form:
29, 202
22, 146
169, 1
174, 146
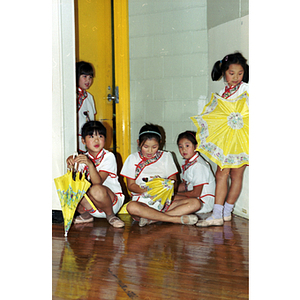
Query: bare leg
84, 216
221, 185
184, 207
236, 176
141, 210
102, 197
221, 191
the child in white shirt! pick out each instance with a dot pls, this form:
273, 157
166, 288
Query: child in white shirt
85, 102
198, 180
148, 163
104, 198
235, 71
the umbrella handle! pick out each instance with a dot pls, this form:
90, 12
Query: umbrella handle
75, 166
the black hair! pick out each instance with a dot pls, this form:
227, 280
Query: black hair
91, 127
189, 135
83, 68
221, 66
149, 131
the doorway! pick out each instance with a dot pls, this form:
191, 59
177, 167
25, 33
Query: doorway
101, 34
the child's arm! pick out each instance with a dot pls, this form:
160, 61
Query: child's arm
133, 187
96, 177
181, 187
194, 193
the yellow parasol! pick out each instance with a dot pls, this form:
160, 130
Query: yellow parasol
71, 187
160, 189
223, 131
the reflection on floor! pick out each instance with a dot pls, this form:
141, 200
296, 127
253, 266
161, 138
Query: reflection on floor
159, 261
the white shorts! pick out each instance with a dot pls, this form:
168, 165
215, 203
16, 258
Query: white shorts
116, 206
207, 204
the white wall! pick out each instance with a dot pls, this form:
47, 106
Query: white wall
63, 89
224, 39
168, 65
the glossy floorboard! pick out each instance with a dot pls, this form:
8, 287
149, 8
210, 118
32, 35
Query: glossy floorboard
159, 261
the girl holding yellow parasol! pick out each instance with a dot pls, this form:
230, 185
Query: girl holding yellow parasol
104, 198
223, 134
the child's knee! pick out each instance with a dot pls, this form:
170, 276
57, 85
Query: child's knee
237, 174
132, 207
195, 204
98, 192
222, 174
198, 205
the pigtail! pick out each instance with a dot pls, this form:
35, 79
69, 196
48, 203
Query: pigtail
246, 73
216, 72
221, 66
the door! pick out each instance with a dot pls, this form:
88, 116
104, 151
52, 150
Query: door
102, 40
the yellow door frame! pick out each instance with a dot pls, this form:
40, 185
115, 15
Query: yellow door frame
91, 27
121, 40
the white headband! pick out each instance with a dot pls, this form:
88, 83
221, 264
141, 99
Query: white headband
149, 131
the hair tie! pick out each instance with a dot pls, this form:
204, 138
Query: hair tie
220, 61
226, 58
192, 135
149, 131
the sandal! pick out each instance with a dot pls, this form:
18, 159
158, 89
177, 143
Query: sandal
192, 219
80, 219
116, 222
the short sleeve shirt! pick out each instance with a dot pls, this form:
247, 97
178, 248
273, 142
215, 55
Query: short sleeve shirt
195, 172
163, 166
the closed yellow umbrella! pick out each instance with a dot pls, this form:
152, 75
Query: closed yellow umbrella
71, 187
223, 131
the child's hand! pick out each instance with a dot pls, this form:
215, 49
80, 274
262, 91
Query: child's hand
83, 159
143, 185
70, 162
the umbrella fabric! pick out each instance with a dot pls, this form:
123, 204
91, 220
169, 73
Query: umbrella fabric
160, 189
70, 192
223, 131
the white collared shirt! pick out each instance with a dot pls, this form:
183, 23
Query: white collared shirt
199, 173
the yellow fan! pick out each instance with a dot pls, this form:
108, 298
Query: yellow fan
160, 189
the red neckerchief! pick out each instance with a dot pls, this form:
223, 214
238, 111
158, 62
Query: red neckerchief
230, 90
81, 96
145, 162
189, 162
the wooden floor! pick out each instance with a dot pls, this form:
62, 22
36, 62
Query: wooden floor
159, 261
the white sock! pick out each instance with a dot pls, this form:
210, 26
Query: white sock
217, 212
228, 209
